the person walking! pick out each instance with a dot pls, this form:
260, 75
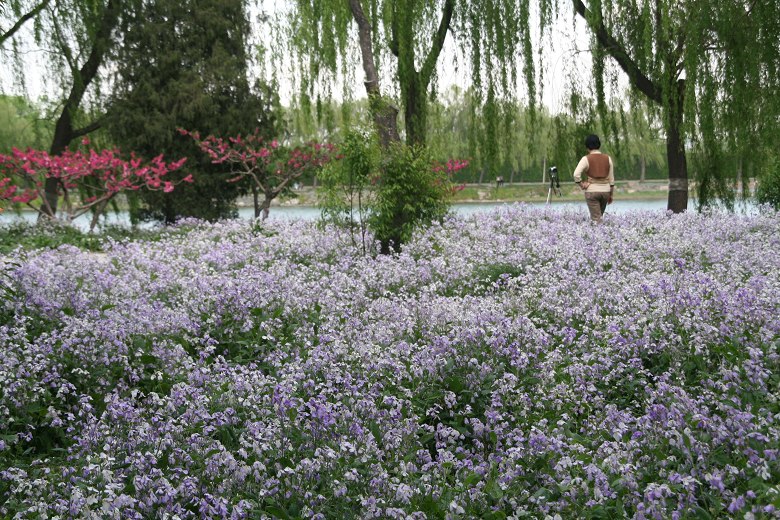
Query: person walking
595, 175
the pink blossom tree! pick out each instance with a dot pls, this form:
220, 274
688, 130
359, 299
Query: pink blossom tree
450, 168
88, 179
270, 167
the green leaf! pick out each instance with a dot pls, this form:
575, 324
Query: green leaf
147, 359
472, 479
211, 453
700, 512
374, 428
599, 512
276, 511
455, 384
542, 492
494, 491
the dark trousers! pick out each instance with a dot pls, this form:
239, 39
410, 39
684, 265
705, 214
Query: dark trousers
597, 204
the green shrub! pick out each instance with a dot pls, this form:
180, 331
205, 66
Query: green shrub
344, 196
410, 193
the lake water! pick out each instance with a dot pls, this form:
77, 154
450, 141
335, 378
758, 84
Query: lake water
308, 213
311, 213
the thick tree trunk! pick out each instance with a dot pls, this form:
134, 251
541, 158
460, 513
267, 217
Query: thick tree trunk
678, 175
642, 169
63, 135
414, 82
675, 155
415, 111
384, 114
168, 211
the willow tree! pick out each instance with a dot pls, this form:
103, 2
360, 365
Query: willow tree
711, 68
404, 40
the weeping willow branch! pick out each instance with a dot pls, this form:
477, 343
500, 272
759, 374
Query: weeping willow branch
639, 79
438, 42
22, 20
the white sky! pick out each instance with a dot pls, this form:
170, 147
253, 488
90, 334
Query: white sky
564, 52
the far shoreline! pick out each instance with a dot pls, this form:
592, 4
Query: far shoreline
529, 192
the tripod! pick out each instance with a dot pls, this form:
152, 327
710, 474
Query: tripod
555, 184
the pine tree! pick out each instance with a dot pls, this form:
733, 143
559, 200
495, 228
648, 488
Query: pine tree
183, 64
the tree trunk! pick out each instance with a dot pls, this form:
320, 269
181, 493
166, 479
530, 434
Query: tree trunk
642, 169
168, 211
265, 207
256, 200
96, 213
415, 111
384, 114
740, 180
63, 132
675, 154
414, 83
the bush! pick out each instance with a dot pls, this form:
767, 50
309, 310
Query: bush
343, 196
410, 193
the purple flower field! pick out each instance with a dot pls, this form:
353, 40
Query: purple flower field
513, 364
